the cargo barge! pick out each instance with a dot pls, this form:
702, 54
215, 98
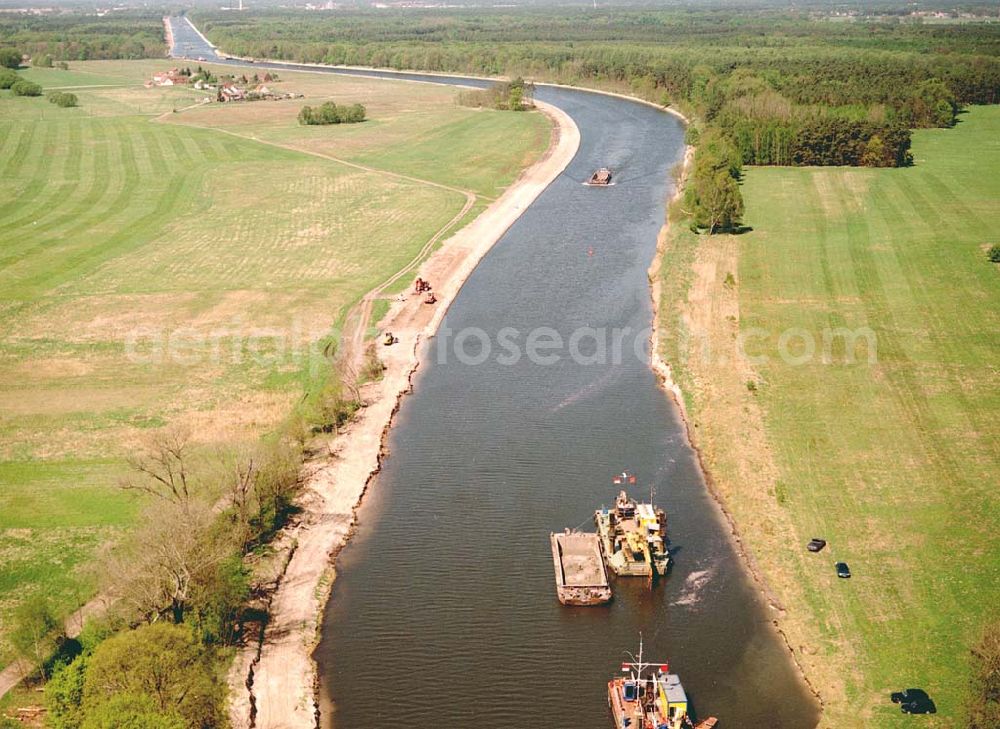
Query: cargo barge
581, 577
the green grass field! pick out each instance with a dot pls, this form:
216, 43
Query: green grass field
895, 462
142, 261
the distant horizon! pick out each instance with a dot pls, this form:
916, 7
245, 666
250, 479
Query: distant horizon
892, 7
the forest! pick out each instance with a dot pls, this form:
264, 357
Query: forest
75, 37
784, 88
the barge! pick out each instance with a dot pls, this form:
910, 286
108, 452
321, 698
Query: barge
581, 577
633, 536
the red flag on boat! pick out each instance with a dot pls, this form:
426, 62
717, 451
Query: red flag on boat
664, 668
625, 666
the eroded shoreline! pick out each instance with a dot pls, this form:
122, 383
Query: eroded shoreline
274, 683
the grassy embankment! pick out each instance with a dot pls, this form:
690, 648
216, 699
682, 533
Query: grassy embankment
113, 220
895, 461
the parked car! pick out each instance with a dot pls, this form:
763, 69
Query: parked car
914, 701
816, 544
843, 570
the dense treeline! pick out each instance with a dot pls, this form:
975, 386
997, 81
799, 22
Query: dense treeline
739, 26
784, 88
73, 37
766, 87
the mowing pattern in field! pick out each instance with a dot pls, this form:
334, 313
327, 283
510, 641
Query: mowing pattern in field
155, 274
413, 129
896, 463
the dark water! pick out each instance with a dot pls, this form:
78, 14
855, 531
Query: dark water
444, 610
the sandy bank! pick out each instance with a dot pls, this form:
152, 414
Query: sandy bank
277, 688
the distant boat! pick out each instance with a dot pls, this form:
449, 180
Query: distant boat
601, 177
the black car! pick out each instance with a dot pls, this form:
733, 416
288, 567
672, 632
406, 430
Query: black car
816, 544
914, 701
843, 570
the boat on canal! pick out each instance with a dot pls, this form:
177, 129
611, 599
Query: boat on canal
649, 696
633, 535
600, 178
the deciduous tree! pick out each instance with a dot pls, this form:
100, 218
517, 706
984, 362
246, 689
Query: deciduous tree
162, 662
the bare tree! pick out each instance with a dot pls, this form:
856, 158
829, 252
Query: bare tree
178, 544
164, 470
241, 474
173, 551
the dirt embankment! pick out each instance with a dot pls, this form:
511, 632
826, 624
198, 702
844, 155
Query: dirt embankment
274, 684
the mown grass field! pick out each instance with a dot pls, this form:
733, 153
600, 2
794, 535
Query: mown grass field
415, 129
895, 461
159, 275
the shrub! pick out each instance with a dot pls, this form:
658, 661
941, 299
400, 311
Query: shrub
354, 113
26, 88
7, 78
9, 58
983, 701
64, 695
42, 61
372, 369
994, 254
336, 404
63, 99
34, 625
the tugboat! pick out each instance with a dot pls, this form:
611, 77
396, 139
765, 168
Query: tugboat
600, 178
634, 535
650, 697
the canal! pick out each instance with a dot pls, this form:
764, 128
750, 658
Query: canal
534, 394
